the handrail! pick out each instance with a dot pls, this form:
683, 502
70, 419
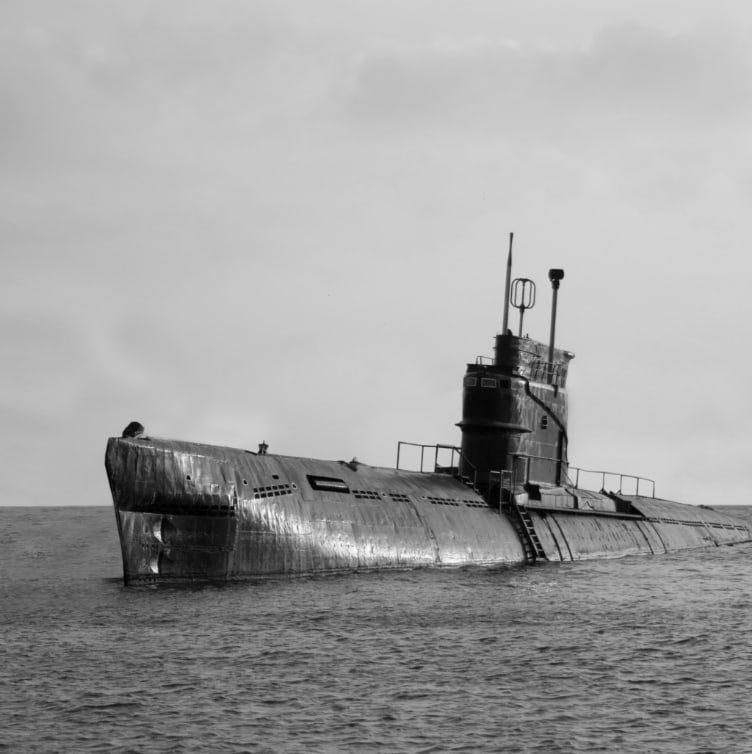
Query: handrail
513, 475
603, 474
527, 458
436, 448
548, 371
506, 482
538, 370
576, 483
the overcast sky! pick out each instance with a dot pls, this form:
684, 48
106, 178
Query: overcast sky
238, 221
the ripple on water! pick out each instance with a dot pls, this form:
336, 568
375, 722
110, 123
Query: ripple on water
635, 655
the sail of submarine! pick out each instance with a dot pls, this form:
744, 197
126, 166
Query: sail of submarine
507, 496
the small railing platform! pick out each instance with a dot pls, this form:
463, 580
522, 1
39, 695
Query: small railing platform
578, 478
436, 459
537, 370
604, 477
448, 459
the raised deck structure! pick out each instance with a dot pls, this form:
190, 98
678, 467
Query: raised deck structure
506, 496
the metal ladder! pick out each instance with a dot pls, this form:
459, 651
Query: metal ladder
533, 549
520, 518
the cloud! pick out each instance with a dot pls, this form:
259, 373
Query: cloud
285, 221
630, 75
42, 357
141, 84
699, 78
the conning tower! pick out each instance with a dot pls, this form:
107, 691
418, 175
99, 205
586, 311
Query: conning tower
514, 408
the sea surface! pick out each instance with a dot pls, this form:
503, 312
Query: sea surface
642, 654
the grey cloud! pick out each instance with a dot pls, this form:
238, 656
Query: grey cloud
35, 345
74, 88
632, 73
706, 76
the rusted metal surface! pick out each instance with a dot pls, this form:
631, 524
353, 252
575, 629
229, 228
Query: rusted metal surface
654, 526
516, 407
192, 512
682, 526
188, 511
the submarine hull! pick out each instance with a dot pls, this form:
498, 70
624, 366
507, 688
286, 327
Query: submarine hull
191, 512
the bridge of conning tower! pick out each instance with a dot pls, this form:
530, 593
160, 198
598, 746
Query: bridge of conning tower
514, 408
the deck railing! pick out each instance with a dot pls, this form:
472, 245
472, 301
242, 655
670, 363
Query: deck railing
430, 457
485, 360
635, 484
548, 371
539, 370
634, 488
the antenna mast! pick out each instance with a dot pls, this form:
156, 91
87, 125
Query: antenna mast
505, 324
555, 276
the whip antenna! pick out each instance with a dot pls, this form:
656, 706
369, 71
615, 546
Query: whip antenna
505, 324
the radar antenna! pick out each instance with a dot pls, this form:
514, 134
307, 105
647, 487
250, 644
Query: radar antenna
523, 296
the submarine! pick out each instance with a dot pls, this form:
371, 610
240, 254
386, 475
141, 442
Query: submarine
506, 496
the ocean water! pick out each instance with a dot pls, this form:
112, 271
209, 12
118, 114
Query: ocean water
642, 654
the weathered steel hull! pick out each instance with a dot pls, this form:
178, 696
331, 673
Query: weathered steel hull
578, 535
189, 512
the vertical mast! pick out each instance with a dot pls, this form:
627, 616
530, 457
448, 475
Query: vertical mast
555, 276
505, 324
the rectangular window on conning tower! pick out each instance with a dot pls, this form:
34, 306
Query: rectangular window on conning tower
471, 381
487, 382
